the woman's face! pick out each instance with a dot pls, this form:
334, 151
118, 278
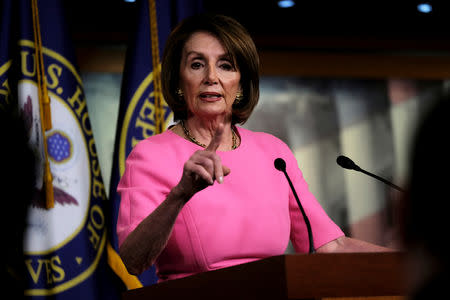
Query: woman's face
207, 77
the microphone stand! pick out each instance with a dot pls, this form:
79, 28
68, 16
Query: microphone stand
382, 179
280, 165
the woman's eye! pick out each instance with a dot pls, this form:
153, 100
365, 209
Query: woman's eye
196, 65
227, 67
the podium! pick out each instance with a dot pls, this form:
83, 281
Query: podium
296, 276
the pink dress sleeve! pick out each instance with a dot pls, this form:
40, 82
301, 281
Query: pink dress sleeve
142, 188
324, 230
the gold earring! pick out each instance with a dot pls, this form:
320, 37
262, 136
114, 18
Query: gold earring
239, 97
179, 93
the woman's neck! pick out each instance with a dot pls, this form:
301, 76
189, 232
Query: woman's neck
203, 131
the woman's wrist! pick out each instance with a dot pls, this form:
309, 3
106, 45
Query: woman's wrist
178, 194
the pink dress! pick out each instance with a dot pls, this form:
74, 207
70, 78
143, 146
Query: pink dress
252, 215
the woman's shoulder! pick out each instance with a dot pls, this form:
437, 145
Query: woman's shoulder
272, 146
154, 144
264, 138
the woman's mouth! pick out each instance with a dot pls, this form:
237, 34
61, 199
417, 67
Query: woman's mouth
210, 96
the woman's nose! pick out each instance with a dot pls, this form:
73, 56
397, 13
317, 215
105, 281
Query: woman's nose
211, 76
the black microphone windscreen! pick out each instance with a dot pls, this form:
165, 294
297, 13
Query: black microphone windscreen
346, 163
280, 164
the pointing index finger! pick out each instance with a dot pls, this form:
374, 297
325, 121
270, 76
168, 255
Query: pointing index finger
216, 140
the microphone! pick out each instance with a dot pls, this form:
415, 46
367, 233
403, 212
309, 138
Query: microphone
347, 163
280, 165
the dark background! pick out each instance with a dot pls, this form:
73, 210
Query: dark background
315, 38
310, 24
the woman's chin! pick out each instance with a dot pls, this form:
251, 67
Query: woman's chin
212, 113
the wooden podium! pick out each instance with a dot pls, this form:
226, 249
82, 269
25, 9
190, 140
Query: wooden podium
297, 276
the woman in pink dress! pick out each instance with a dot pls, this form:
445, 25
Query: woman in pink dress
205, 194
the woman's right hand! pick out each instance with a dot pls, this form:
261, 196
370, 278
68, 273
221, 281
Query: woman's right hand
202, 168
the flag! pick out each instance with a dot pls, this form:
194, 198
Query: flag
142, 110
8, 26
65, 240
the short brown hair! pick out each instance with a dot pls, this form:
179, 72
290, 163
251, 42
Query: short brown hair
240, 47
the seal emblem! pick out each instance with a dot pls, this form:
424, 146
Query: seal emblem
63, 245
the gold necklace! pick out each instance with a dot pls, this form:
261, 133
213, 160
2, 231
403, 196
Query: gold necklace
194, 140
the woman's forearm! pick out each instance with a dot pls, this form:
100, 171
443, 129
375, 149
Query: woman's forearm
142, 246
346, 244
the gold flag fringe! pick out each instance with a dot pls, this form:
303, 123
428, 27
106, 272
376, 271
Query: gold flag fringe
44, 105
157, 88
